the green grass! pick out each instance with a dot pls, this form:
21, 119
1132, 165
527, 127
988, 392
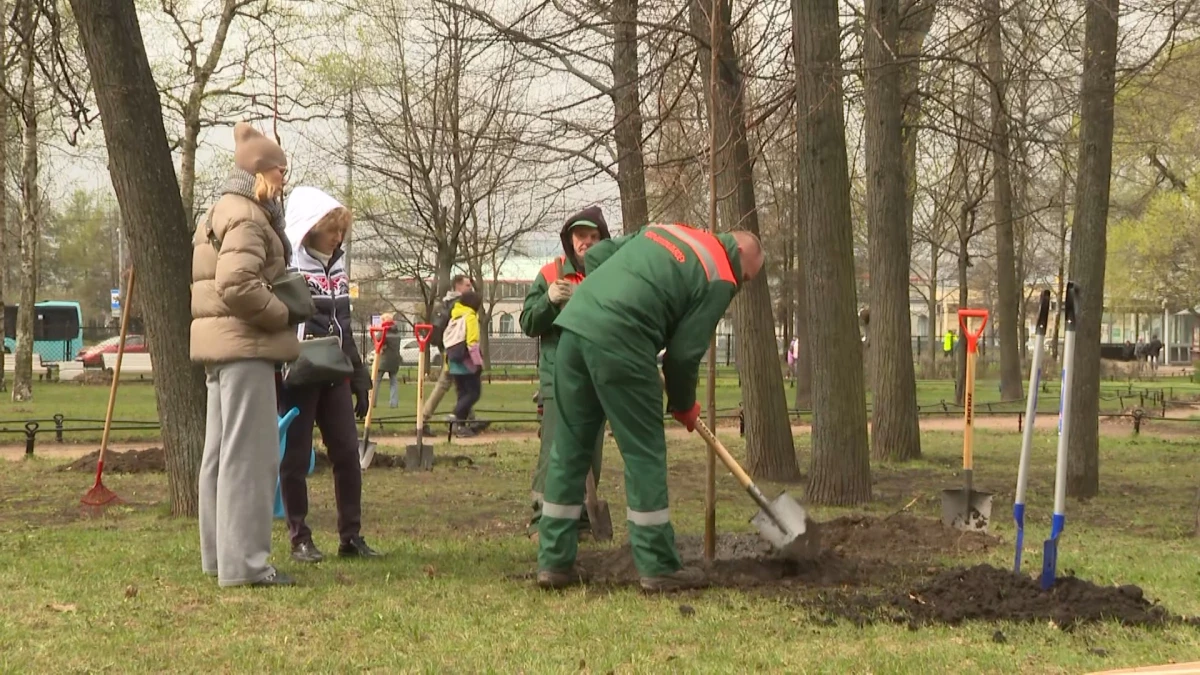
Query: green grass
444, 599
506, 401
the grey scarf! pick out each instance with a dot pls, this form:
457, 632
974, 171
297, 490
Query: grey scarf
242, 183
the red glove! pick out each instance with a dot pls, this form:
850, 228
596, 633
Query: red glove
688, 418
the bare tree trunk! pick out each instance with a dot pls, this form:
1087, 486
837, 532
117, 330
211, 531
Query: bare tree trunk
1089, 245
1007, 321
1062, 266
5, 109
960, 356
156, 224
627, 125
840, 470
30, 201
770, 450
895, 434
935, 342
187, 164
915, 21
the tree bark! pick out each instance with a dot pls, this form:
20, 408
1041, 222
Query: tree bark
152, 210
770, 449
1088, 245
5, 109
935, 339
895, 431
916, 19
30, 201
965, 227
1007, 323
1060, 292
627, 122
840, 470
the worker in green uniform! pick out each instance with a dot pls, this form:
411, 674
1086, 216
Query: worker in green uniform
662, 287
547, 296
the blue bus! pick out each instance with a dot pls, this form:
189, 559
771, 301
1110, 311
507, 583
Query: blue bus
57, 330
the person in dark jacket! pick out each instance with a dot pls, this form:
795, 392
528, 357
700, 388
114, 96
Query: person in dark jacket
316, 225
389, 361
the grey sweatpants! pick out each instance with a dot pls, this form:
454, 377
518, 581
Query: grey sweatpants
238, 472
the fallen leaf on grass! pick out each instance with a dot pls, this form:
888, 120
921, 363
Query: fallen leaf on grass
60, 607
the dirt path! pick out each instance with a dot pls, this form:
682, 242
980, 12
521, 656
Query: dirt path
949, 423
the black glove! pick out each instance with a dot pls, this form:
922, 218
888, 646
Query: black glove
362, 401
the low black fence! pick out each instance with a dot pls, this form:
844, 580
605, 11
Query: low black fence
1134, 404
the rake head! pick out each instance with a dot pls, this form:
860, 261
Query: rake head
98, 498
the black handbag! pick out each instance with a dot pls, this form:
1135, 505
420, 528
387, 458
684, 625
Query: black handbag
291, 288
321, 361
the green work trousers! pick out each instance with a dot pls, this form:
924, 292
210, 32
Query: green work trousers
549, 428
592, 384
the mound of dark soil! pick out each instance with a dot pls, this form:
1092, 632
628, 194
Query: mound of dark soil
150, 460
857, 550
987, 593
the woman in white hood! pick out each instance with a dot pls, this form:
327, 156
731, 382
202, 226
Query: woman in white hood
317, 225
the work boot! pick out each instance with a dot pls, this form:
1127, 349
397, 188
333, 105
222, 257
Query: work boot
555, 579
357, 548
306, 552
679, 580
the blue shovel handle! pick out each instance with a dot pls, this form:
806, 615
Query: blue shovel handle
1019, 518
1050, 552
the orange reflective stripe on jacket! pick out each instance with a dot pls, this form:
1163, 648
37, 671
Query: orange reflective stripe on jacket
708, 249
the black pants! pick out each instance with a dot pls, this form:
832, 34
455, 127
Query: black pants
332, 409
469, 388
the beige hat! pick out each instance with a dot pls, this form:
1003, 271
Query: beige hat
255, 153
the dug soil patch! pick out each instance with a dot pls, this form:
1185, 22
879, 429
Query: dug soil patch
856, 551
987, 593
150, 460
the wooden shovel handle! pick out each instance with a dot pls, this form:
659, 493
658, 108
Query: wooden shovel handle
719, 448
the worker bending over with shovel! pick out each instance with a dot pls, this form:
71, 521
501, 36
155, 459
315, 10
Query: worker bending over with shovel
547, 296
662, 287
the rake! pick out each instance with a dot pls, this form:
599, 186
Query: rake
99, 497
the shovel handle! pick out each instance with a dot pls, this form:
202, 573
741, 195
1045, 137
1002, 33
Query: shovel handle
972, 335
423, 331
729, 461
1044, 312
379, 334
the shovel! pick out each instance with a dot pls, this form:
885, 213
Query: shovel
1035, 378
420, 456
597, 510
366, 447
1059, 519
783, 522
968, 509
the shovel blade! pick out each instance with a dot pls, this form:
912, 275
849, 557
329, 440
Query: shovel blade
798, 538
601, 521
366, 453
1049, 563
418, 457
967, 512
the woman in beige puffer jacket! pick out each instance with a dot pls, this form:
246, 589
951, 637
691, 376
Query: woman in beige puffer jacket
240, 331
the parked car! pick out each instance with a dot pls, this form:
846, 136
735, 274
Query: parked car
93, 357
